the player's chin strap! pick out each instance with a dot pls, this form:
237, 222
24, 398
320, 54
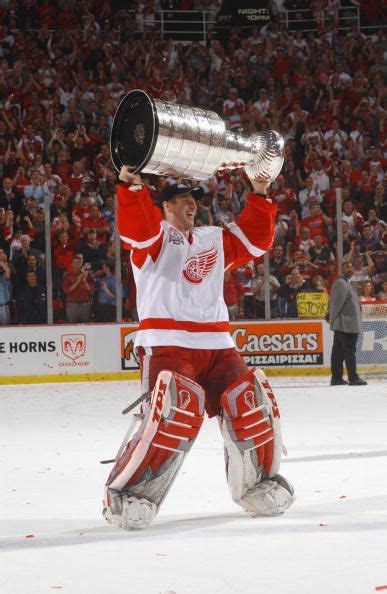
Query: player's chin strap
251, 431
149, 463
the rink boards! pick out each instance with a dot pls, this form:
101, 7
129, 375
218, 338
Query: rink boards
106, 351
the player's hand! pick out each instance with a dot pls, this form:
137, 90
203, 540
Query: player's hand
127, 176
260, 187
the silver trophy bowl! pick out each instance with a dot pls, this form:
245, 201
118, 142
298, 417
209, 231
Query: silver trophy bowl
162, 138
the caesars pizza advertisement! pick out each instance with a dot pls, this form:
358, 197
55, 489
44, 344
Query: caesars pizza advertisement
259, 343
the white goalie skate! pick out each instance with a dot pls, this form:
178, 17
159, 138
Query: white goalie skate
128, 512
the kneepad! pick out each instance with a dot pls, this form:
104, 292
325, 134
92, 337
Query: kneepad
251, 430
149, 463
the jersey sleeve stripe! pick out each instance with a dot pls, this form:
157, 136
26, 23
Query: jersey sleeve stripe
142, 244
188, 326
237, 231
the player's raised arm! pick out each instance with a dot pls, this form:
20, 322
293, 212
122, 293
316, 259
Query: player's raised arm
138, 219
251, 235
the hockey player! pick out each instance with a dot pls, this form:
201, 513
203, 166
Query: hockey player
187, 357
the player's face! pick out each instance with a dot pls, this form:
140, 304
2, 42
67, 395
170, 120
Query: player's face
180, 212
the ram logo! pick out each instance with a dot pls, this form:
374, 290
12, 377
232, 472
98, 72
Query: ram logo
73, 345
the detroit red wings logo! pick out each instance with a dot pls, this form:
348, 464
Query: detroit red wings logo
199, 266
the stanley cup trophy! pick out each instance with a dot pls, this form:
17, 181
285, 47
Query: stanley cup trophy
162, 138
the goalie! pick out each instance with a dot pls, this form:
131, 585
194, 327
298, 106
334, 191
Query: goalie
187, 357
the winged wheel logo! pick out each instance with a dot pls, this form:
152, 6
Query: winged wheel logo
198, 267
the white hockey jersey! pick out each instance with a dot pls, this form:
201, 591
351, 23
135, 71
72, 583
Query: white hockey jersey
180, 281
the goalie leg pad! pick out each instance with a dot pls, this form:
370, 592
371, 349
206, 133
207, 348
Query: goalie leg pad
152, 458
251, 431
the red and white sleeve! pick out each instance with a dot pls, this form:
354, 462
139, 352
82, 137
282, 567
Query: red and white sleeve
138, 219
251, 235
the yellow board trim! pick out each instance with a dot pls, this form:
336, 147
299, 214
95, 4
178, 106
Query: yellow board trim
135, 375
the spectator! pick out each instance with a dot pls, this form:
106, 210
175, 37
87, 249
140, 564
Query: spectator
245, 276
37, 188
321, 254
259, 292
233, 295
379, 269
352, 217
31, 301
308, 196
93, 250
319, 176
367, 292
382, 294
98, 223
233, 107
368, 242
285, 197
10, 199
222, 211
318, 285
203, 213
78, 288
277, 262
304, 242
317, 222
6, 229
5, 289
105, 300
294, 284
20, 257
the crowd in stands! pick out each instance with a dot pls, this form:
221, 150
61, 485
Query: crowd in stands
64, 66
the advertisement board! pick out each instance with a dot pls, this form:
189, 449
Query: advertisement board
106, 351
128, 356
372, 344
57, 350
285, 343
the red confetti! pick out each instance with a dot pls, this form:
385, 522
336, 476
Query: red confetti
29, 536
378, 588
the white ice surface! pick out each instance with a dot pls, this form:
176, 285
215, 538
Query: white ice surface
332, 541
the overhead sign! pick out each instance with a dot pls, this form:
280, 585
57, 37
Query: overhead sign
246, 13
